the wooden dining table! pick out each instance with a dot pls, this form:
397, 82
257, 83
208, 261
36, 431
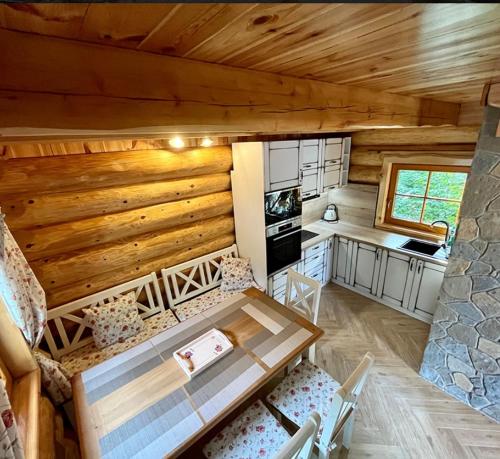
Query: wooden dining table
142, 404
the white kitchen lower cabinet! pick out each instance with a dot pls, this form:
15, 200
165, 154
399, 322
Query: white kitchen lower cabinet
316, 263
394, 272
342, 257
398, 280
364, 259
425, 289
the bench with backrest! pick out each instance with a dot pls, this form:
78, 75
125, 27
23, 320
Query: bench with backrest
194, 286
70, 341
190, 288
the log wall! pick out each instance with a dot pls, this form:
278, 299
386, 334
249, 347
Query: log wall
369, 147
86, 222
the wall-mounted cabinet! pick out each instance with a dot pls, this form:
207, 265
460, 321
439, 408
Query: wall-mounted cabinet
318, 165
392, 278
282, 165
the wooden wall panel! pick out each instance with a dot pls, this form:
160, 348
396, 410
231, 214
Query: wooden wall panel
369, 147
87, 222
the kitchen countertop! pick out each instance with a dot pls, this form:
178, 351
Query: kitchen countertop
372, 236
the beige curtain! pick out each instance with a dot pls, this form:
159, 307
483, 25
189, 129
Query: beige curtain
10, 445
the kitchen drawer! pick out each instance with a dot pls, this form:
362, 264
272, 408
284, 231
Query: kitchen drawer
279, 290
315, 249
332, 162
313, 262
283, 273
278, 283
284, 144
308, 194
317, 275
310, 166
280, 298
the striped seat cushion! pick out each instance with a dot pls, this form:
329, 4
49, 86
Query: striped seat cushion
254, 434
207, 300
201, 303
90, 355
306, 388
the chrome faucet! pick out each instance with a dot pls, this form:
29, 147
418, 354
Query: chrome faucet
447, 235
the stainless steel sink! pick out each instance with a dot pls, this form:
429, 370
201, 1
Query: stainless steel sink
421, 247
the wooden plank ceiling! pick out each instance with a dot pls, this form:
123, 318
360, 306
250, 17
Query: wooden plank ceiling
438, 51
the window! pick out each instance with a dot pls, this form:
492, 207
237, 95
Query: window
421, 194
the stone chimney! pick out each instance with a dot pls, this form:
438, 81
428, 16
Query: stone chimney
462, 356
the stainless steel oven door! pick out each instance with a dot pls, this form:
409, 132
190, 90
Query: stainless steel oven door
283, 249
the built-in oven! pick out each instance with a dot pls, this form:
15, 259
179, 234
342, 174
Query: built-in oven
283, 242
282, 206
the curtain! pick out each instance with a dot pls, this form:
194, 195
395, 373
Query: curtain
10, 445
25, 300
20, 289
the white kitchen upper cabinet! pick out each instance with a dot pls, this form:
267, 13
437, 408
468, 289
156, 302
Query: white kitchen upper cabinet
333, 151
310, 152
310, 183
283, 165
364, 261
426, 286
394, 273
331, 177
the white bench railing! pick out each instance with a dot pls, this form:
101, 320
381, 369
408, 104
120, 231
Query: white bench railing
62, 343
192, 278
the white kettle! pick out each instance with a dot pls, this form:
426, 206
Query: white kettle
331, 214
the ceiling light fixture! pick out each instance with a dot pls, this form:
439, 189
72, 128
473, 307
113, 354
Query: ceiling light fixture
176, 142
207, 142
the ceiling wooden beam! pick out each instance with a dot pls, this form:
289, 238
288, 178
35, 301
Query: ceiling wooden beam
491, 95
50, 86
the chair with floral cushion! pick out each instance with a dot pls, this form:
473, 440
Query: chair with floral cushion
257, 434
302, 295
309, 388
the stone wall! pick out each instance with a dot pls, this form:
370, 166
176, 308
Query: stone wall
462, 356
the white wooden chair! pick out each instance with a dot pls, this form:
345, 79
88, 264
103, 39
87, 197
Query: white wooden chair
257, 434
315, 389
302, 295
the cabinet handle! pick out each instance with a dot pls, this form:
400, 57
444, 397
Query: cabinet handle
411, 264
418, 268
376, 255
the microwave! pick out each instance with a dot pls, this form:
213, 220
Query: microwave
281, 206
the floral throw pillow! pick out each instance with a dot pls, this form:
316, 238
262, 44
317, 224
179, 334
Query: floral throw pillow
236, 274
114, 322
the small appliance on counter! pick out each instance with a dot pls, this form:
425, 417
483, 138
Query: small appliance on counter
331, 214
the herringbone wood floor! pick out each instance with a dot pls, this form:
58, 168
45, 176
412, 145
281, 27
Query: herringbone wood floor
400, 415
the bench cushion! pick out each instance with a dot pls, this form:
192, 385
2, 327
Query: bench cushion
90, 355
203, 302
